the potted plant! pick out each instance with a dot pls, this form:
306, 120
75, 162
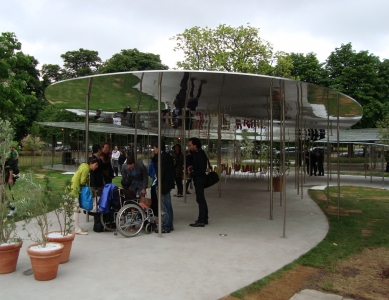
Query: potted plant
64, 212
44, 255
10, 244
280, 170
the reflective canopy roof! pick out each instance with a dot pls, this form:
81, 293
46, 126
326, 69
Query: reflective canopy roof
246, 101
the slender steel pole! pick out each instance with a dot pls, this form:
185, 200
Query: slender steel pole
329, 152
303, 167
283, 193
87, 99
183, 145
337, 134
159, 156
271, 149
219, 138
297, 143
136, 119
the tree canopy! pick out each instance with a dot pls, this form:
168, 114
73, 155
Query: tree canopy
15, 89
307, 68
132, 60
361, 76
81, 62
224, 49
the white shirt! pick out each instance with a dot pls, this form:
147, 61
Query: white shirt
115, 155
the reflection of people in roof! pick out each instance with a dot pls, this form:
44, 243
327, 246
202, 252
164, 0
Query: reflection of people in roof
179, 102
193, 101
98, 114
126, 111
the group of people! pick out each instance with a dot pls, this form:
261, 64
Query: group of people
314, 161
103, 166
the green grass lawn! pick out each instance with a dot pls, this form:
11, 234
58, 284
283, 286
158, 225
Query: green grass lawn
363, 210
110, 93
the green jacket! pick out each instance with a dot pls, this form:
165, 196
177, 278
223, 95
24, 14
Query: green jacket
80, 178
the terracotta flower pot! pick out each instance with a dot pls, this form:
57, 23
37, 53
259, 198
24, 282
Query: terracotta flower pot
67, 242
277, 184
9, 254
45, 261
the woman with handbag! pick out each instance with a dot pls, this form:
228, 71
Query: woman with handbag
80, 179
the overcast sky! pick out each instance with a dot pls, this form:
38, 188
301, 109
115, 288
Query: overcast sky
49, 28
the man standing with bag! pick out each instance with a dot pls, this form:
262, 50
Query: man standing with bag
197, 172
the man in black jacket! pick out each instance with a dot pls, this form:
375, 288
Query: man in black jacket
167, 184
197, 172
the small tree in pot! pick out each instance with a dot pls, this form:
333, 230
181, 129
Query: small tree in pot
10, 244
44, 255
64, 212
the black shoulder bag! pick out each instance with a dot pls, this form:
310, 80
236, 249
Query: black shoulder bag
211, 178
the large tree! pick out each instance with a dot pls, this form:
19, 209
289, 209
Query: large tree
132, 60
15, 91
307, 68
52, 73
357, 75
26, 68
224, 49
81, 62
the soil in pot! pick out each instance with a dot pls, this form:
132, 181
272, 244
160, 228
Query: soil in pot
45, 261
9, 254
67, 242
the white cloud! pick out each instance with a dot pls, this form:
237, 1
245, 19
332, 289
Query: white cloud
49, 28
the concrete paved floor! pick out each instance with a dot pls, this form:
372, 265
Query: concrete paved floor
189, 263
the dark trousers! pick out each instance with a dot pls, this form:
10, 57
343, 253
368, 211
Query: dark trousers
188, 181
320, 168
154, 200
180, 186
116, 171
313, 169
200, 199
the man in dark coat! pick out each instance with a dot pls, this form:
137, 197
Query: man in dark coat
179, 169
197, 172
167, 184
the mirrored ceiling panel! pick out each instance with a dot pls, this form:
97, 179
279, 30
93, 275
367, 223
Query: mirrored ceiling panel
245, 101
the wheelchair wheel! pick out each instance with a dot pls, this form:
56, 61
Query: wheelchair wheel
108, 221
129, 220
148, 227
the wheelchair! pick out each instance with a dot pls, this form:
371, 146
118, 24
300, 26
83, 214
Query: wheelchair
127, 216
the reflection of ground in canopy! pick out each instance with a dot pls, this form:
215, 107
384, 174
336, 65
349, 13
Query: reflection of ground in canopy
347, 106
114, 94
